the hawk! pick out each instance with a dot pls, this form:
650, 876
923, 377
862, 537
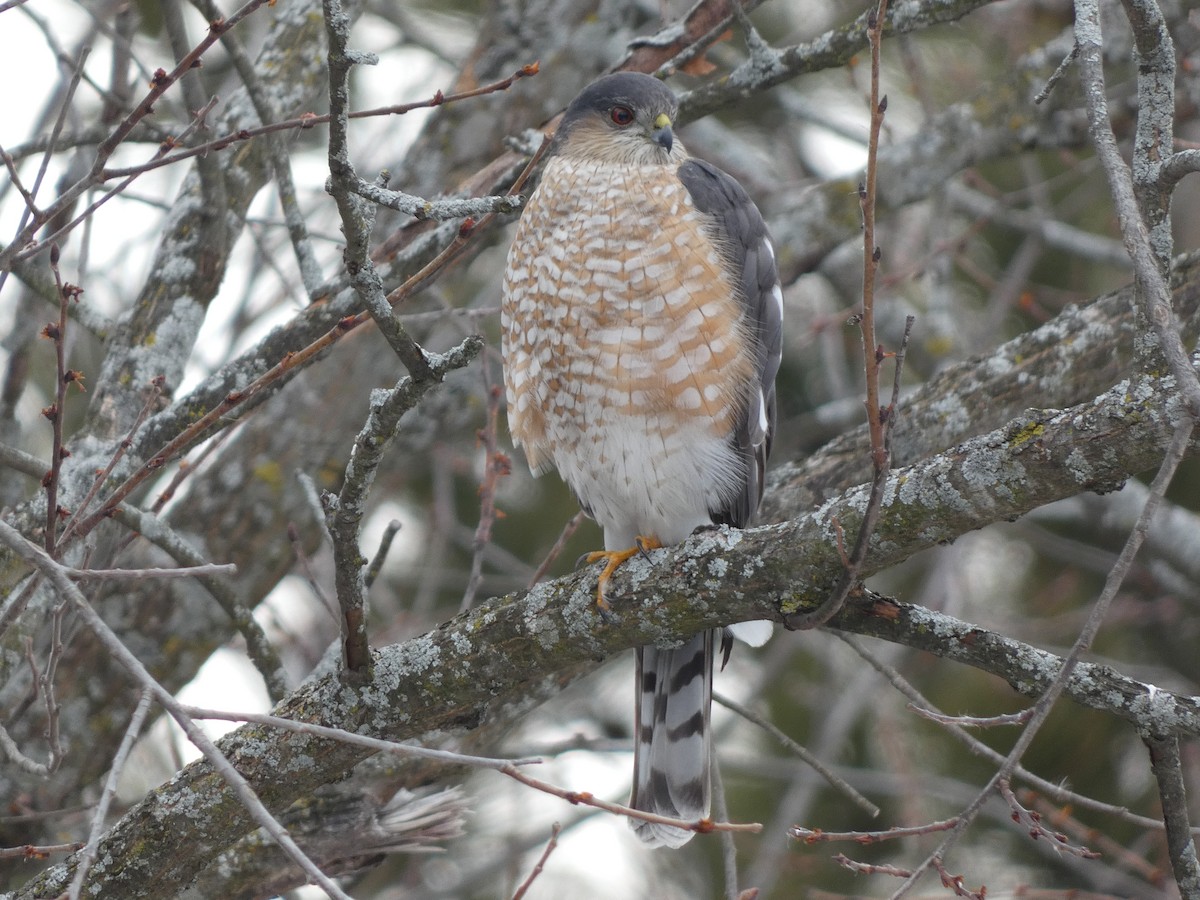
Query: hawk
641, 325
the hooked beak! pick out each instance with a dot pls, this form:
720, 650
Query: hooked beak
662, 134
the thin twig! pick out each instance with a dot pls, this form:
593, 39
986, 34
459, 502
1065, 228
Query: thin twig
1057, 75
31, 851
110, 789
497, 465
955, 883
555, 829
565, 535
418, 207
972, 721
381, 555
817, 836
152, 395
38, 558
703, 826
48, 692
1041, 709
360, 740
879, 420
1032, 822
728, 844
144, 574
12, 753
835, 781
23, 245
57, 332
297, 360
917, 701
30, 195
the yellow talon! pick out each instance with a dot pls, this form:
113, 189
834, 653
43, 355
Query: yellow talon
614, 558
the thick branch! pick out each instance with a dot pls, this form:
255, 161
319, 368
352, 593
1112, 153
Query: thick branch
487, 664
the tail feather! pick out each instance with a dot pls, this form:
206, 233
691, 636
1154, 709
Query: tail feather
672, 752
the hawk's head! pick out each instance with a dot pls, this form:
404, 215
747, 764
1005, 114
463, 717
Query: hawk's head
622, 118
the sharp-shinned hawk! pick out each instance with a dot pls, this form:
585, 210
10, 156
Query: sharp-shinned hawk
642, 330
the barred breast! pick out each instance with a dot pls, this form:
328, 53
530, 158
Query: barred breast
628, 364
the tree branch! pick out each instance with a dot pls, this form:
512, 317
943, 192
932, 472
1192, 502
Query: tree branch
489, 662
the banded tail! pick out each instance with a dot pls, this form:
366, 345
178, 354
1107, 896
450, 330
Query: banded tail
672, 751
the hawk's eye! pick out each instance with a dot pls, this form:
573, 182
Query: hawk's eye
621, 115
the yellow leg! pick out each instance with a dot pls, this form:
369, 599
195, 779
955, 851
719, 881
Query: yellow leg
614, 558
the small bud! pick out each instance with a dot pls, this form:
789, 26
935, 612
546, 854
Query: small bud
54, 254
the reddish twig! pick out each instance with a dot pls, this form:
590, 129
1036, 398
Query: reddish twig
311, 120
1032, 821
29, 852
862, 868
565, 535
23, 245
1117, 852
541, 863
30, 196
59, 233
817, 836
290, 363
497, 465
57, 332
879, 420
872, 352
156, 387
702, 826
955, 883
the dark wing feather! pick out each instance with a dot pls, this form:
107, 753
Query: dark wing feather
738, 228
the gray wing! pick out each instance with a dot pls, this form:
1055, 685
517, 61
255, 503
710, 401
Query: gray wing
740, 231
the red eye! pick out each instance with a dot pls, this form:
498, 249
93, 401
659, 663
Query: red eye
621, 115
